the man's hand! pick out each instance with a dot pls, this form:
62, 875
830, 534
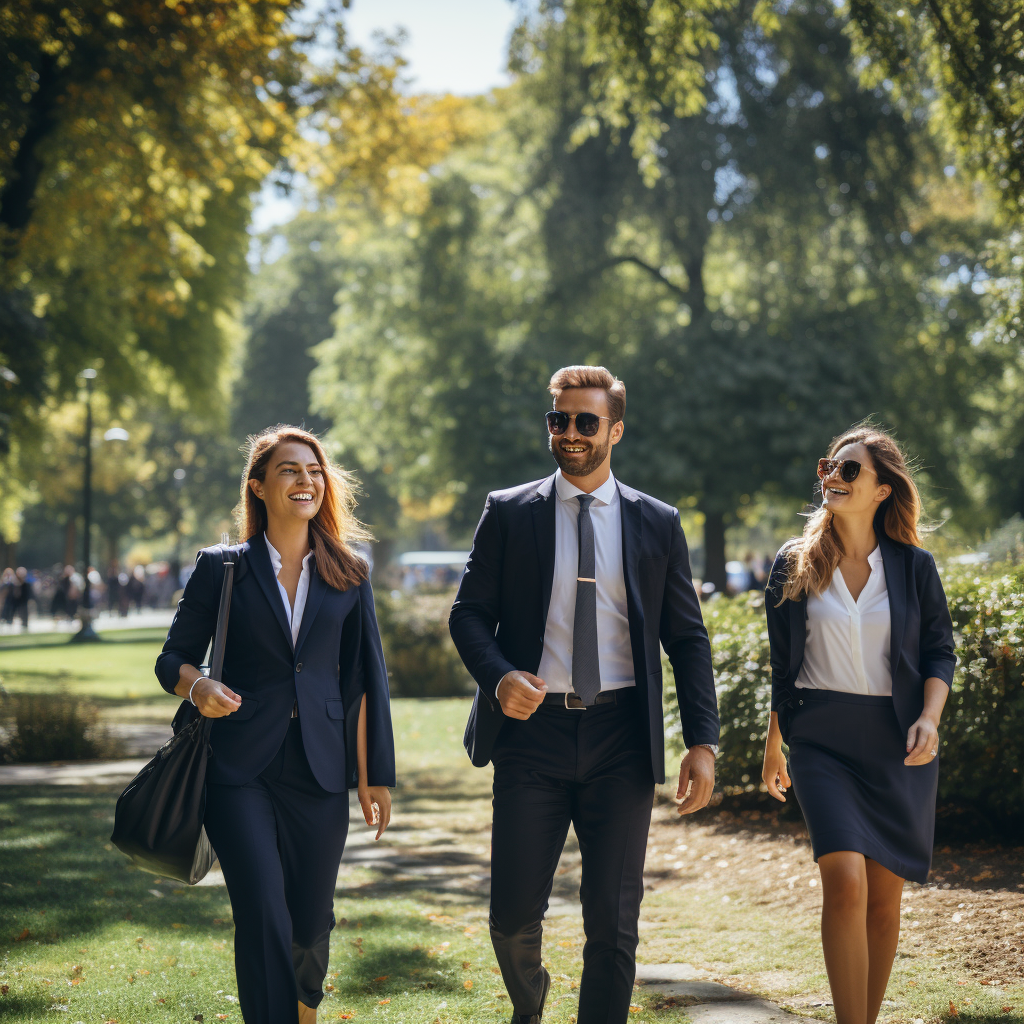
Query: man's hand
375, 802
214, 700
696, 773
520, 694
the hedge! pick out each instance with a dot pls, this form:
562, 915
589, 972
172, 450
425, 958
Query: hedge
420, 656
982, 733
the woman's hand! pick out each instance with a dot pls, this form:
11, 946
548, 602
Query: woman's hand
376, 804
774, 772
922, 741
213, 699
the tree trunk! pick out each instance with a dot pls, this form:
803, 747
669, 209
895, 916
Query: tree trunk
27, 166
714, 550
70, 540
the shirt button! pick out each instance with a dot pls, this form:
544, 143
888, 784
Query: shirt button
298, 668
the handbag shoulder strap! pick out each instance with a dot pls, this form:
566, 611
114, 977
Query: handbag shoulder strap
221, 635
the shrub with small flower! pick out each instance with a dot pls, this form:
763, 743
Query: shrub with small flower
981, 780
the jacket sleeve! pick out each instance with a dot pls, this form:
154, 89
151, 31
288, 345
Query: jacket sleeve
473, 622
685, 639
193, 625
380, 737
937, 647
778, 616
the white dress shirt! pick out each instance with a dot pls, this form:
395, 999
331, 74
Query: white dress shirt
847, 643
615, 652
292, 613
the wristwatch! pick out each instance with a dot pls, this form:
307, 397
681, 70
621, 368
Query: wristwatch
713, 747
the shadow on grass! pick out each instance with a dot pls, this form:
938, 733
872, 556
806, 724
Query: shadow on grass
392, 968
30, 641
19, 1007
984, 1018
62, 878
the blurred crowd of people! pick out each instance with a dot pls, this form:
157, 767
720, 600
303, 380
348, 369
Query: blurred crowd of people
59, 592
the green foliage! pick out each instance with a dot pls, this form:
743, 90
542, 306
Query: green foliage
421, 658
52, 727
982, 774
646, 61
739, 650
968, 57
981, 781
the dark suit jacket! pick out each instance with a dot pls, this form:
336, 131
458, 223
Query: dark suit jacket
501, 611
336, 659
922, 631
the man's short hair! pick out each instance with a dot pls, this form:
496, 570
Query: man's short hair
591, 377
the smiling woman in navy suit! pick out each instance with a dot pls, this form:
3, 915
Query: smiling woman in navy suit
862, 661
302, 715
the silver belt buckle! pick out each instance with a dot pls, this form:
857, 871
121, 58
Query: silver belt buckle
575, 707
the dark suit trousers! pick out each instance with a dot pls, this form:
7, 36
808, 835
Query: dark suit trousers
591, 768
279, 840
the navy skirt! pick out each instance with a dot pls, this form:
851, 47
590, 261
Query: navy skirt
846, 754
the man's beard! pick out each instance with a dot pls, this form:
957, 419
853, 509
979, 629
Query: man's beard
581, 465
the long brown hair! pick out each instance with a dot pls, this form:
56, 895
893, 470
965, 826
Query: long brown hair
331, 530
814, 557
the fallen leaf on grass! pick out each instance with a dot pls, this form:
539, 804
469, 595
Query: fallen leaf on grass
222, 1016
23, 936
467, 984
383, 977
952, 1009
4, 989
383, 1002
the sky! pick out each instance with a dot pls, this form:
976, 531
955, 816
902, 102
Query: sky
457, 46
454, 46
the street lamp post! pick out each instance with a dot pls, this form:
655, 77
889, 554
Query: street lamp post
87, 633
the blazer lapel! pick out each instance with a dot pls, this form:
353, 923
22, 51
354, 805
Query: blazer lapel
264, 573
314, 596
894, 563
797, 636
543, 507
631, 509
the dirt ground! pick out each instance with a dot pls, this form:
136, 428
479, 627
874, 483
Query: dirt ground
970, 912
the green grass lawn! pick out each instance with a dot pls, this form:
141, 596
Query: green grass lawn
86, 938
113, 673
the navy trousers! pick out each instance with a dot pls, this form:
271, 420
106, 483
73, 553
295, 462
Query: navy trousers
591, 768
279, 840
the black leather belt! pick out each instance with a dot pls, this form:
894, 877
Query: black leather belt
573, 702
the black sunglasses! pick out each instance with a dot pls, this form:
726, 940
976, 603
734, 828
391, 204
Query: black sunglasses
849, 469
587, 423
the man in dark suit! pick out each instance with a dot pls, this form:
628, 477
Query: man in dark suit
573, 585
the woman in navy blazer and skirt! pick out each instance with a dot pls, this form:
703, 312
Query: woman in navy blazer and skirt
862, 661
302, 715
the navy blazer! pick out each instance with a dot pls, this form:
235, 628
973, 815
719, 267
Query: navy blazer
501, 610
336, 659
921, 645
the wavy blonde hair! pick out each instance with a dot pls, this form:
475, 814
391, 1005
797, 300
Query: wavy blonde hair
814, 556
331, 530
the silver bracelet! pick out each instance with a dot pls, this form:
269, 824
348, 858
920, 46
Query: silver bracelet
192, 687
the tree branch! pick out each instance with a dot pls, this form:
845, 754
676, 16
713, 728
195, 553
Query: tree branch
653, 271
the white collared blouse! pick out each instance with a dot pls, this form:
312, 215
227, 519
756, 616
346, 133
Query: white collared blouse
847, 642
292, 614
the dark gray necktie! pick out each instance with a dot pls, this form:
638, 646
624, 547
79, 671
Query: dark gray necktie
586, 669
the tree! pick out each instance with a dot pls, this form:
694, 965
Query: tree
969, 56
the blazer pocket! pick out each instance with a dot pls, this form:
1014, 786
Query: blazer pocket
244, 713
336, 709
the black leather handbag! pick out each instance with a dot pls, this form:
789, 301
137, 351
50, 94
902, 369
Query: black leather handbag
158, 821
